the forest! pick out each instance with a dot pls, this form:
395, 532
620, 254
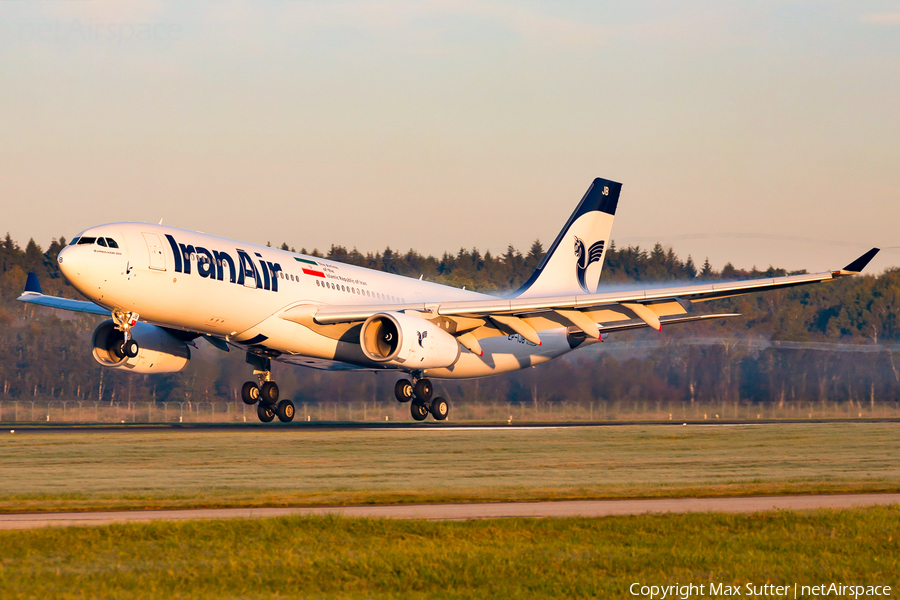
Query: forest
834, 342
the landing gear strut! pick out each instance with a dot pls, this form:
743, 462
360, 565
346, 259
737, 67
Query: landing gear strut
419, 391
124, 322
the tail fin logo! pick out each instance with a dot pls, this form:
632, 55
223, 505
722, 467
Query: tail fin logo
584, 259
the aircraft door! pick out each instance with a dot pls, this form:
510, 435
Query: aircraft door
155, 248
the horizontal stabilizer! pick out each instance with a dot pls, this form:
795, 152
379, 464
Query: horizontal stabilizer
860, 263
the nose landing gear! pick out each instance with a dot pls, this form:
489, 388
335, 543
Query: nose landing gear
124, 321
419, 391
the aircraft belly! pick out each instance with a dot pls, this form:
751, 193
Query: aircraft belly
290, 338
504, 354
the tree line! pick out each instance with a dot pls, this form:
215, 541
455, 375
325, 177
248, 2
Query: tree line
45, 354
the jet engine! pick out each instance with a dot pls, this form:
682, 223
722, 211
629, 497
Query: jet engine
407, 341
160, 351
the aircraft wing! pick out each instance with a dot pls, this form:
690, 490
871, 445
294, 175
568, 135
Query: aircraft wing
472, 320
34, 295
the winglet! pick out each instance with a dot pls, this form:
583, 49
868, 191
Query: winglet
32, 285
860, 263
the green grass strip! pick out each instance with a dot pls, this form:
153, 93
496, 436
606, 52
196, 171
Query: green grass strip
512, 558
188, 469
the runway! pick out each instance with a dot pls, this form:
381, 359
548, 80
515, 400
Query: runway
460, 512
25, 428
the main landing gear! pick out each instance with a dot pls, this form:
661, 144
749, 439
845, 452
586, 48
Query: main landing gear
419, 392
265, 395
127, 347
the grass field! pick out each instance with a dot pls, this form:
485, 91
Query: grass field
514, 558
176, 469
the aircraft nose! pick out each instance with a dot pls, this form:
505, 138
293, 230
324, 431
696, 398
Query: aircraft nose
68, 262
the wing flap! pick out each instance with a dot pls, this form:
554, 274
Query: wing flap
519, 326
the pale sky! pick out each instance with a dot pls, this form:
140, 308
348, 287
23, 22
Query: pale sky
753, 132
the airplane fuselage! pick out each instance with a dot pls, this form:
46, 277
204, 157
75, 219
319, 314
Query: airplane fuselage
238, 291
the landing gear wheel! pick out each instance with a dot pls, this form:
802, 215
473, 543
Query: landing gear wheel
423, 390
250, 393
268, 393
285, 411
440, 408
419, 410
118, 348
131, 348
265, 413
403, 390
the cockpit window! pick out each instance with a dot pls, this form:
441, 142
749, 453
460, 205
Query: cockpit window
112, 243
101, 242
84, 241
74, 241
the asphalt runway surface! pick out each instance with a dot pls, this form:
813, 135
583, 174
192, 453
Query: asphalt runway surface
462, 512
378, 426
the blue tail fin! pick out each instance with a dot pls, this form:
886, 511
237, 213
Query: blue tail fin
575, 268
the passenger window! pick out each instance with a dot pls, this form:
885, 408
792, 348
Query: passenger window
84, 241
101, 242
112, 243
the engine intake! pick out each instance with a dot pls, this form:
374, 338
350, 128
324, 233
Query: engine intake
160, 352
407, 341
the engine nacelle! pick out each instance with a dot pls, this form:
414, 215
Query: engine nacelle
407, 341
160, 352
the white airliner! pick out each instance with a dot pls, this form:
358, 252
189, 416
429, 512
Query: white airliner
164, 287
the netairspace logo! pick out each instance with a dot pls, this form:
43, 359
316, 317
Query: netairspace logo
92, 32
692, 590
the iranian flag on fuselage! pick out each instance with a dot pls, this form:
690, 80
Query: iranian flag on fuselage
310, 270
